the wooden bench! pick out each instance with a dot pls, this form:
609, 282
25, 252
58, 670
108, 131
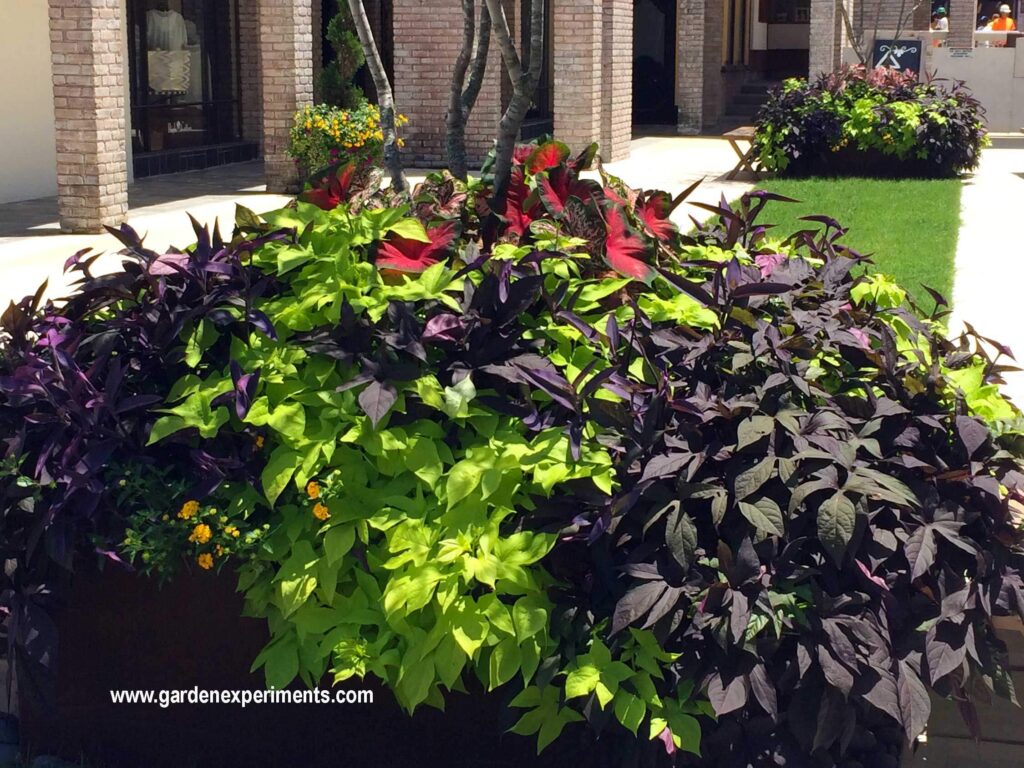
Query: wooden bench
742, 142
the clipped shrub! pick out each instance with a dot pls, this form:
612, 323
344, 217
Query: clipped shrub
717, 495
859, 121
337, 85
324, 136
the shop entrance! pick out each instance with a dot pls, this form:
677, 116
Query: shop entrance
184, 85
654, 62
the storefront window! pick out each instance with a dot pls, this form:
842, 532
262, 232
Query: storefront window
184, 78
784, 11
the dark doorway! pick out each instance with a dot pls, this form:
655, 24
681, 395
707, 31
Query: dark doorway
654, 62
540, 120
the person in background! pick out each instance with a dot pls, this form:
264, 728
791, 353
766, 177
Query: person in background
1003, 22
940, 22
982, 24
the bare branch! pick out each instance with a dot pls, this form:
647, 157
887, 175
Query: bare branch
476, 72
385, 96
508, 49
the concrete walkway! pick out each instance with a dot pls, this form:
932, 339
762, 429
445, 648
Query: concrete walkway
988, 282
33, 249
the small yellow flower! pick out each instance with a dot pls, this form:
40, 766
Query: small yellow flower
219, 550
165, 518
200, 534
259, 442
320, 511
205, 561
313, 489
232, 531
188, 510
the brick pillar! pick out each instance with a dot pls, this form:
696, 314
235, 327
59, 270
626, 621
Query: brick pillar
823, 37
318, 46
962, 21
427, 36
698, 64
87, 50
576, 30
617, 79
286, 57
251, 89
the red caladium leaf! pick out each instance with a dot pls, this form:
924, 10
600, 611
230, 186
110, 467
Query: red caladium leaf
400, 254
550, 154
653, 211
332, 189
556, 186
521, 206
585, 159
624, 248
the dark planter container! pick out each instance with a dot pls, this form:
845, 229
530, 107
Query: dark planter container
8, 740
124, 632
850, 161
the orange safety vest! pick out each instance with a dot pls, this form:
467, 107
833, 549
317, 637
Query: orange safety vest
1004, 25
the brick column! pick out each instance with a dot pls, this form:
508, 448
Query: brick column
822, 56
698, 64
427, 37
251, 87
617, 79
87, 50
962, 21
286, 58
318, 46
577, 51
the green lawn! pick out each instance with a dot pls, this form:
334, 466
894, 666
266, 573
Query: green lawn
909, 226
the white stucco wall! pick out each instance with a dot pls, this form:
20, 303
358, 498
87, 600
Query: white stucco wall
27, 149
994, 75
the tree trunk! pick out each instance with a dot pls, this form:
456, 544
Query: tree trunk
385, 96
524, 86
462, 98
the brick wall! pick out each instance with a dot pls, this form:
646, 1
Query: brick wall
699, 83
286, 50
427, 38
251, 83
87, 51
617, 79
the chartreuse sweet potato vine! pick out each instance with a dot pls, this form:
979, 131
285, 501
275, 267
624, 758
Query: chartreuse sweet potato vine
711, 494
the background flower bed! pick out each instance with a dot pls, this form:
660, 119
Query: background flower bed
713, 493
870, 123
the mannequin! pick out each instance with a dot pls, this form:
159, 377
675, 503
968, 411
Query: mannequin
169, 59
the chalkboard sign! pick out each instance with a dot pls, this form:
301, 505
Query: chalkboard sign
898, 54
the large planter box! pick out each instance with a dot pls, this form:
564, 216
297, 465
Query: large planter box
123, 631
850, 161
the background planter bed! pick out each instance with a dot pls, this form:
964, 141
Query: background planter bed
872, 163
862, 122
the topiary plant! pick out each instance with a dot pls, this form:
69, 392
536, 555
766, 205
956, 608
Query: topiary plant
337, 85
